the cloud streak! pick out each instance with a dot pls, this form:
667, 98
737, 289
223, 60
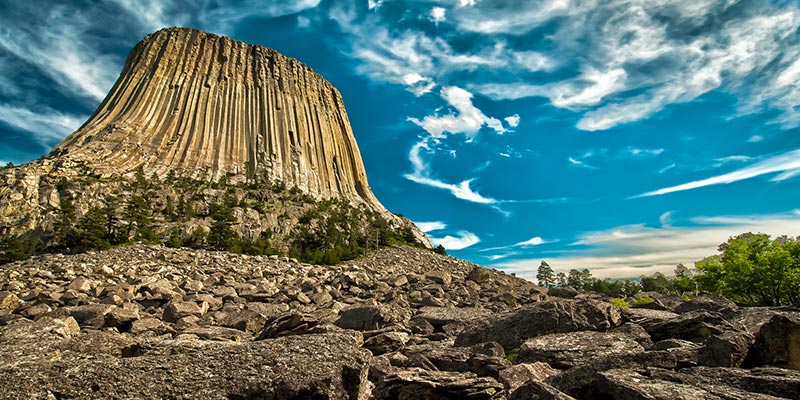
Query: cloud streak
463, 240
788, 164
420, 175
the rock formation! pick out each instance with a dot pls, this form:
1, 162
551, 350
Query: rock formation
196, 117
206, 106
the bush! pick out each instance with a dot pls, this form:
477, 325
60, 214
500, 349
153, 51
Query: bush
619, 302
640, 301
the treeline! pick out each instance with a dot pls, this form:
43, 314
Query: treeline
328, 232
751, 269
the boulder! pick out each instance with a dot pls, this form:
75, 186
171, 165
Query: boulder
517, 375
566, 350
777, 343
565, 292
441, 316
386, 342
246, 321
691, 325
8, 302
537, 390
176, 310
121, 318
422, 384
479, 275
439, 276
150, 324
750, 383
91, 315
713, 303
631, 385
330, 366
288, 324
513, 328
368, 317
44, 328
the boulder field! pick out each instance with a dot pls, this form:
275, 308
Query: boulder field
399, 323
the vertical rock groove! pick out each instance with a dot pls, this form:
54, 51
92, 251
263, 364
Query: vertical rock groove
205, 106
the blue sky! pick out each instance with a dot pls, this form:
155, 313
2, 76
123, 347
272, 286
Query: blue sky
621, 136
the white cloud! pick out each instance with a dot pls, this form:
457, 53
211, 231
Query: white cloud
755, 139
512, 120
421, 175
371, 4
666, 219
788, 163
47, 126
462, 241
466, 3
431, 226
535, 241
303, 22
58, 50
636, 152
152, 14
636, 58
578, 163
634, 250
667, 168
468, 120
438, 14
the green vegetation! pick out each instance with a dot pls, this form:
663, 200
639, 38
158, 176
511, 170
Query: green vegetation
183, 212
754, 269
619, 302
545, 275
335, 231
640, 301
751, 269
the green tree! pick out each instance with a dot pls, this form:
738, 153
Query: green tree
753, 269
561, 279
684, 280
138, 214
579, 279
657, 282
545, 275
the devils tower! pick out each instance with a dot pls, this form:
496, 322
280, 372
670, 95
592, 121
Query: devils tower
204, 106
201, 130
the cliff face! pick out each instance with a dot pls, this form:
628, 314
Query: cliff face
205, 106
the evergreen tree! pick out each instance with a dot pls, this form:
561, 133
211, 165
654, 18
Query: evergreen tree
545, 275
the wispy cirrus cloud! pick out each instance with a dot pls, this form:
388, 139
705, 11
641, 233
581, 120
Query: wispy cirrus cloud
47, 126
534, 241
636, 58
421, 175
787, 164
462, 240
634, 250
431, 226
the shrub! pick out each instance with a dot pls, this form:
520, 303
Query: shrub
619, 302
639, 301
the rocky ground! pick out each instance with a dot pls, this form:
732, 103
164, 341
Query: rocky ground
401, 323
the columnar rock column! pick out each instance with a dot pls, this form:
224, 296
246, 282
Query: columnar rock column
205, 106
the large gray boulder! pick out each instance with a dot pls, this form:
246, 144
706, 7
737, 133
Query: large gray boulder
513, 328
777, 343
566, 350
104, 365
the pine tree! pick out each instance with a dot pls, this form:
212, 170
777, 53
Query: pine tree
545, 275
